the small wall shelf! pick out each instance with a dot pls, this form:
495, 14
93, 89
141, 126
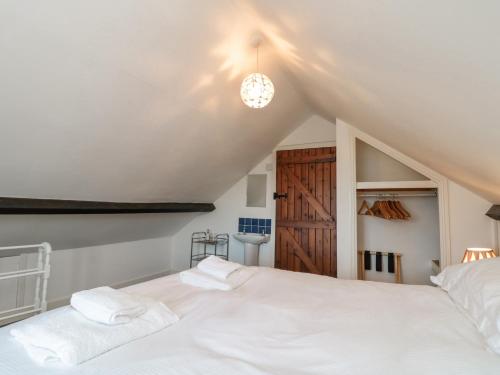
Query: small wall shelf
396, 185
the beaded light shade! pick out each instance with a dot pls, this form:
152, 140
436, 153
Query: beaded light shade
257, 90
477, 253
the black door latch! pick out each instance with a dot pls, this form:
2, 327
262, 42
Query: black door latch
279, 196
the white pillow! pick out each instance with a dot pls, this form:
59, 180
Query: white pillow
475, 287
450, 275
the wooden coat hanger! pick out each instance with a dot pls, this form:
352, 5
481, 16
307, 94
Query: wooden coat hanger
402, 209
400, 215
366, 207
380, 210
393, 214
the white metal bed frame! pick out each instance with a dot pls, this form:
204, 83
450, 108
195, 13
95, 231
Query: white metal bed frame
41, 272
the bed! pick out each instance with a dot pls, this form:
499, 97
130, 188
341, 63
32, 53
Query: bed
282, 322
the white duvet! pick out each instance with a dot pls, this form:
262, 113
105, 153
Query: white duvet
288, 323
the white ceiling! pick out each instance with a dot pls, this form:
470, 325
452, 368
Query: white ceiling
422, 76
139, 100
132, 100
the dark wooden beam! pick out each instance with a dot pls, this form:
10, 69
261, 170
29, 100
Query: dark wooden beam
26, 206
494, 212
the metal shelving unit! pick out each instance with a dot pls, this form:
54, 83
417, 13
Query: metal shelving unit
202, 246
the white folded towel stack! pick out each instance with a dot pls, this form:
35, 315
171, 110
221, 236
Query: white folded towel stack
217, 267
200, 279
107, 305
64, 336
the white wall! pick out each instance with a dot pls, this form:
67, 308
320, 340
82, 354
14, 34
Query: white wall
112, 264
88, 267
91, 250
314, 132
469, 226
374, 165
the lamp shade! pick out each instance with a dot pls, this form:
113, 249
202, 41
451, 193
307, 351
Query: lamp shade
257, 90
477, 253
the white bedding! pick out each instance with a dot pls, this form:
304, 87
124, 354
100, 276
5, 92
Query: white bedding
288, 323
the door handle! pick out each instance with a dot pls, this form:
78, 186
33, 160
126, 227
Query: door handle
279, 196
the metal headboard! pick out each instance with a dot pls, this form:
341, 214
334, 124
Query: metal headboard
41, 272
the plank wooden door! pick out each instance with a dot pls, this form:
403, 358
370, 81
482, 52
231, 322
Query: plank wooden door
306, 236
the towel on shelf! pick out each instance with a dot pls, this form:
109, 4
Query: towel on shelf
107, 305
368, 260
64, 336
378, 261
217, 267
197, 278
390, 262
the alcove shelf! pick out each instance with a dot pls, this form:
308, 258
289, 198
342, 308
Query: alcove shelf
396, 185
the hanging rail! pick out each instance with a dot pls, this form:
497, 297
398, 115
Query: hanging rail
367, 194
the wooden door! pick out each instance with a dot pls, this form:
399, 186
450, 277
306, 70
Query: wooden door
306, 236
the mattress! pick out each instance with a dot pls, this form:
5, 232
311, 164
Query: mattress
283, 322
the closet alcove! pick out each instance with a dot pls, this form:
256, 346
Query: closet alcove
380, 177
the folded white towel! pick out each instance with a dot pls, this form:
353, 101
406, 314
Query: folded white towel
197, 278
107, 305
66, 337
217, 267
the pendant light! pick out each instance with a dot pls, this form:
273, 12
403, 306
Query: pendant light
257, 90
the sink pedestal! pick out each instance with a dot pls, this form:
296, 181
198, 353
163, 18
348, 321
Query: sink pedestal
251, 254
252, 242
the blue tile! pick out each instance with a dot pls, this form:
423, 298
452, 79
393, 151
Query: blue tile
262, 229
268, 230
240, 228
246, 228
248, 221
255, 221
241, 220
268, 222
262, 222
255, 229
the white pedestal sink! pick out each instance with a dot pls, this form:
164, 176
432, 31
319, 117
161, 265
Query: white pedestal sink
252, 243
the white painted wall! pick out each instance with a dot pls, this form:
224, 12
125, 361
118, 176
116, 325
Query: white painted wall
112, 264
314, 132
374, 165
469, 226
91, 250
346, 202
88, 267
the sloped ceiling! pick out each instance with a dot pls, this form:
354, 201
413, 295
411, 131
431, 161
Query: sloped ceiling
129, 101
139, 100
422, 76
133, 100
